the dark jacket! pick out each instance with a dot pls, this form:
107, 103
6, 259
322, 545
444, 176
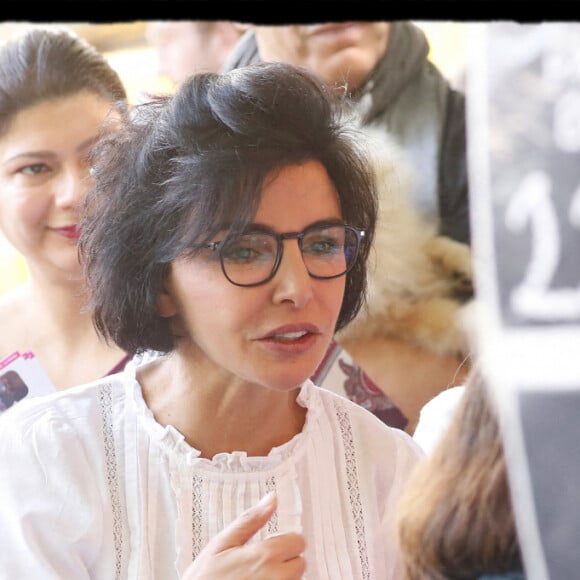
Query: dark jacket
411, 98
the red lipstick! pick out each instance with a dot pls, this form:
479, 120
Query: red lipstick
70, 232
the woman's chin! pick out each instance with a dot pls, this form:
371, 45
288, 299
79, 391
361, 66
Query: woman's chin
289, 382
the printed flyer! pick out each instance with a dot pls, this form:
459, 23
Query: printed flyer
21, 377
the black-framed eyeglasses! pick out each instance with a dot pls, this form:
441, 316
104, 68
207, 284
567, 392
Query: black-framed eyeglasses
328, 251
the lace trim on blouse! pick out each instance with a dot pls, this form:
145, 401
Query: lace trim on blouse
272, 525
354, 492
106, 408
199, 502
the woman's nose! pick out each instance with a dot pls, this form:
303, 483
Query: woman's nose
72, 187
292, 281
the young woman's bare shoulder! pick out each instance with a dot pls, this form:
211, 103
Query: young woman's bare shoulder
12, 306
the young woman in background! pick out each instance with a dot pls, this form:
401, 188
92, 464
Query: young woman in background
55, 92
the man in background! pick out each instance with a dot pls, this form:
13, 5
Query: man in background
385, 68
185, 47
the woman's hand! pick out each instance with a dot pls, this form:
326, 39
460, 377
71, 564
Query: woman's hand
229, 556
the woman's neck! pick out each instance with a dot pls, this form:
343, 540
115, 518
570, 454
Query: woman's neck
217, 413
48, 320
61, 305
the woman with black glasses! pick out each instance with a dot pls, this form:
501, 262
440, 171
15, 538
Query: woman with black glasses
228, 232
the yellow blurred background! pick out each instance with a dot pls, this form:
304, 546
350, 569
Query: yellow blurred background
126, 47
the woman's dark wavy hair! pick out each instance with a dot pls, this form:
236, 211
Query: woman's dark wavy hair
187, 166
44, 64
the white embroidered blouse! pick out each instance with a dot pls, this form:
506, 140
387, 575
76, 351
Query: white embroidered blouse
93, 487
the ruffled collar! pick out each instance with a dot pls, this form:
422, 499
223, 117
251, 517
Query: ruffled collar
173, 444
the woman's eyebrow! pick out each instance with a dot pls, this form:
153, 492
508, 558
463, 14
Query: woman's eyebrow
31, 155
48, 153
258, 227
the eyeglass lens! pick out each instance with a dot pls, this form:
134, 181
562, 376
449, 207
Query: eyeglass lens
327, 251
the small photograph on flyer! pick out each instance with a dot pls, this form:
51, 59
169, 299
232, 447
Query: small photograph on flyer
12, 389
21, 377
